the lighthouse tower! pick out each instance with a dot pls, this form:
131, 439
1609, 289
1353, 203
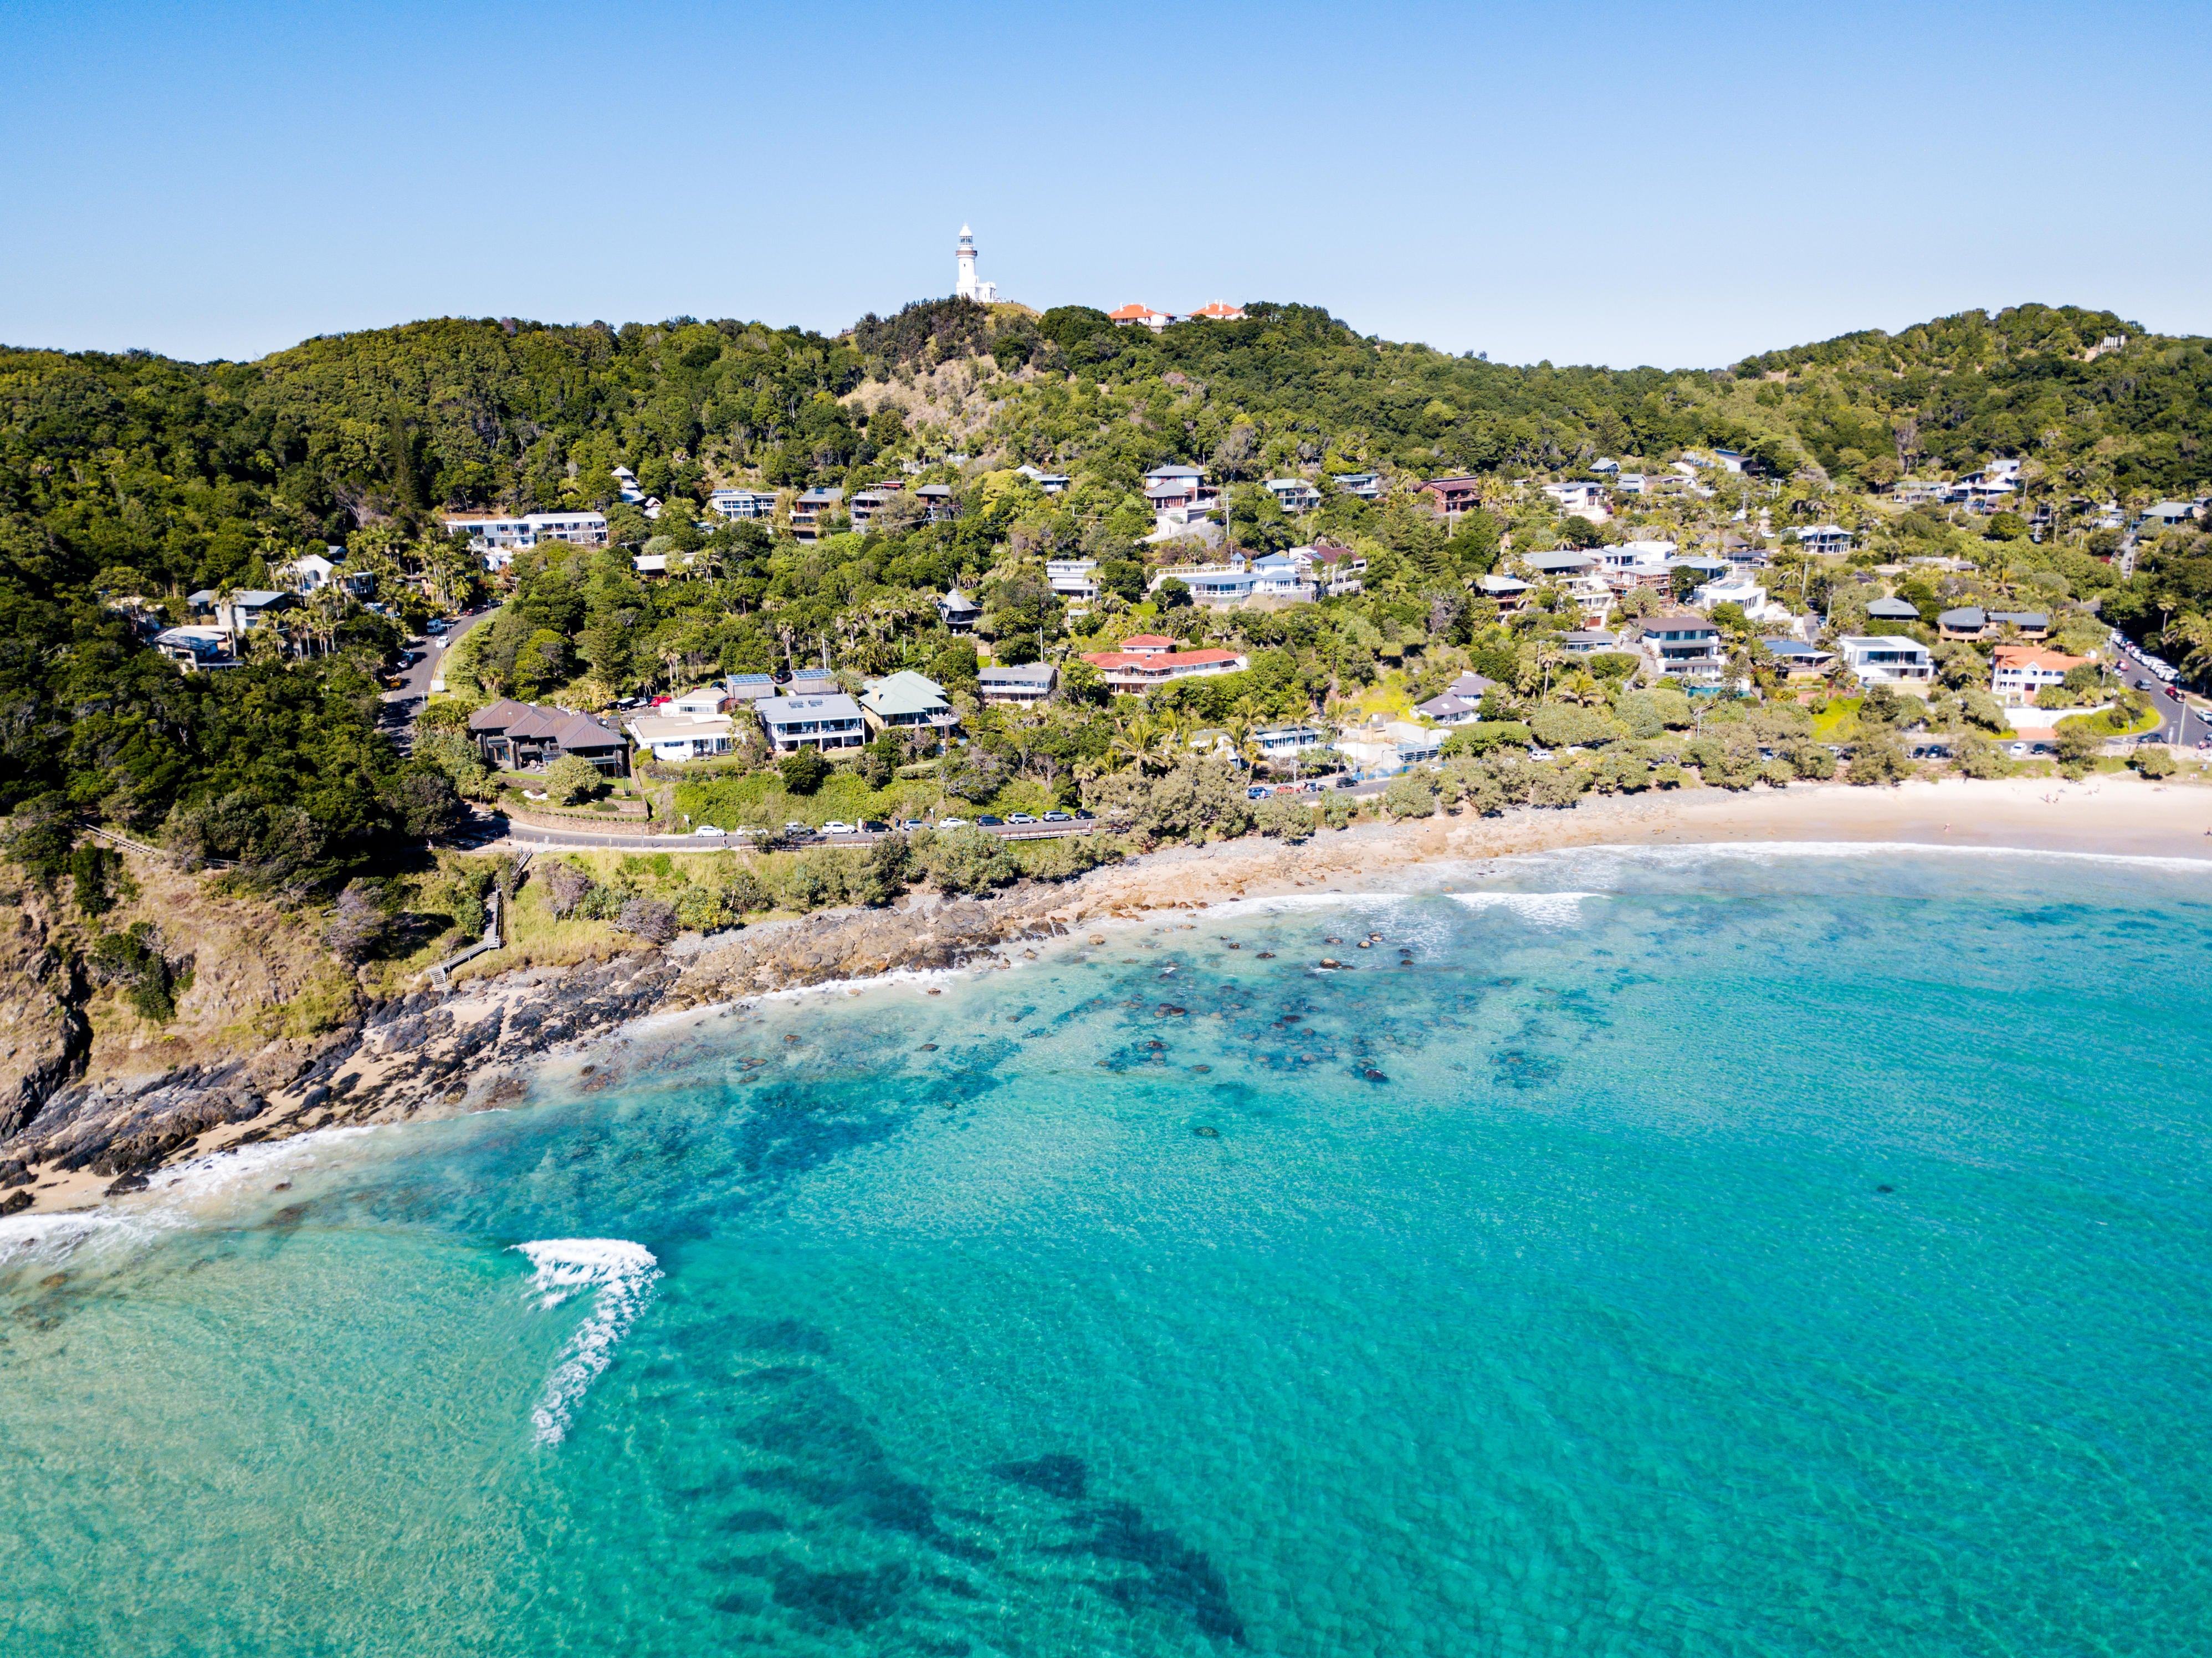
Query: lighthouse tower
968, 287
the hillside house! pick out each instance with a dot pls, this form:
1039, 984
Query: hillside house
906, 701
828, 722
2022, 670
1889, 660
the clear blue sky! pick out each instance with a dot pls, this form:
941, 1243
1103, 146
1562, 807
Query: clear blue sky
1589, 184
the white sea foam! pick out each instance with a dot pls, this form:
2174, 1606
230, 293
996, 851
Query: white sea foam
1282, 902
1546, 910
623, 1274
1777, 851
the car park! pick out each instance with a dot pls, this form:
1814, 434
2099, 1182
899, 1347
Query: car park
834, 827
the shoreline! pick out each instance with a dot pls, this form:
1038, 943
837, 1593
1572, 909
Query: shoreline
478, 1045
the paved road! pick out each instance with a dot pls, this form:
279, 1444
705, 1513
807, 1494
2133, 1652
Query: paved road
401, 708
2182, 723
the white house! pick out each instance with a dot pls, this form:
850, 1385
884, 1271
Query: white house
1216, 585
793, 723
1051, 483
1739, 591
1167, 487
1295, 494
1075, 580
490, 532
744, 503
1581, 498
1368, 486
1282, 575
1828, 539
1890, 660
682, 737
1136, 315
1019, 685
2022, 670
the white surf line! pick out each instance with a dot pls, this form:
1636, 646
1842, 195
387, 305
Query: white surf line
1548, 909
1681, 852
623, 1274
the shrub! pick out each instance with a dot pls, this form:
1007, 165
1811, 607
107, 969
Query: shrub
2079, 745
1812, 760
650, 919
98, 880
1286, 816
570, 778
1878, 761
968, 860
567, 885
803, 772
1976, 757
1337, 810
356, 925
1485, 735
1612, 665
1410, 795
1984, 710
137, 962
1556, 786
1620, 771
1777, 773
1568, 724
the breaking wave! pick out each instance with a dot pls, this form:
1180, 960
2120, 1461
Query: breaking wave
623, 1274
1550, 910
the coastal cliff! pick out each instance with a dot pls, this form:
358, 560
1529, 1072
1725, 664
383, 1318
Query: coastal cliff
429, 1050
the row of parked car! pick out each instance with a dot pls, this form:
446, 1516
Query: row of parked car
796, 831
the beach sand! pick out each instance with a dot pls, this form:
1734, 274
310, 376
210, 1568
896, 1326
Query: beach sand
2112, 816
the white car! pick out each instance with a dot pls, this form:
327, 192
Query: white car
709, 828
952, 822
832, 827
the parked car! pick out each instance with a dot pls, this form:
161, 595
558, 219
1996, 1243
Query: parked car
834, 827
1019, 817
1082, 817
436, 625
1058, 817
797, 829
910, 824
869, 826
985, 821
952, 822
709, 828
1258, 792
1347, 781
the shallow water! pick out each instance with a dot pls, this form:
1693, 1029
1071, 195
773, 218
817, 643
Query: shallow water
1729, 1251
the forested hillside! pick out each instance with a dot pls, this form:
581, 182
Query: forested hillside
133, 474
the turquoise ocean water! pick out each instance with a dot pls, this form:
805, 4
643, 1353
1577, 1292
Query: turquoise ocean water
1743, 1251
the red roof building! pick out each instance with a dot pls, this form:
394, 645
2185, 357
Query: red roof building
1125, 669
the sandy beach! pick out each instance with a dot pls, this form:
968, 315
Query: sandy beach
2112, 816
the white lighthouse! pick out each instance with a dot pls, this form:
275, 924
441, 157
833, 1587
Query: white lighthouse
968, 287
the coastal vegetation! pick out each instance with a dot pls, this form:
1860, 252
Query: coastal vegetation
128, 482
